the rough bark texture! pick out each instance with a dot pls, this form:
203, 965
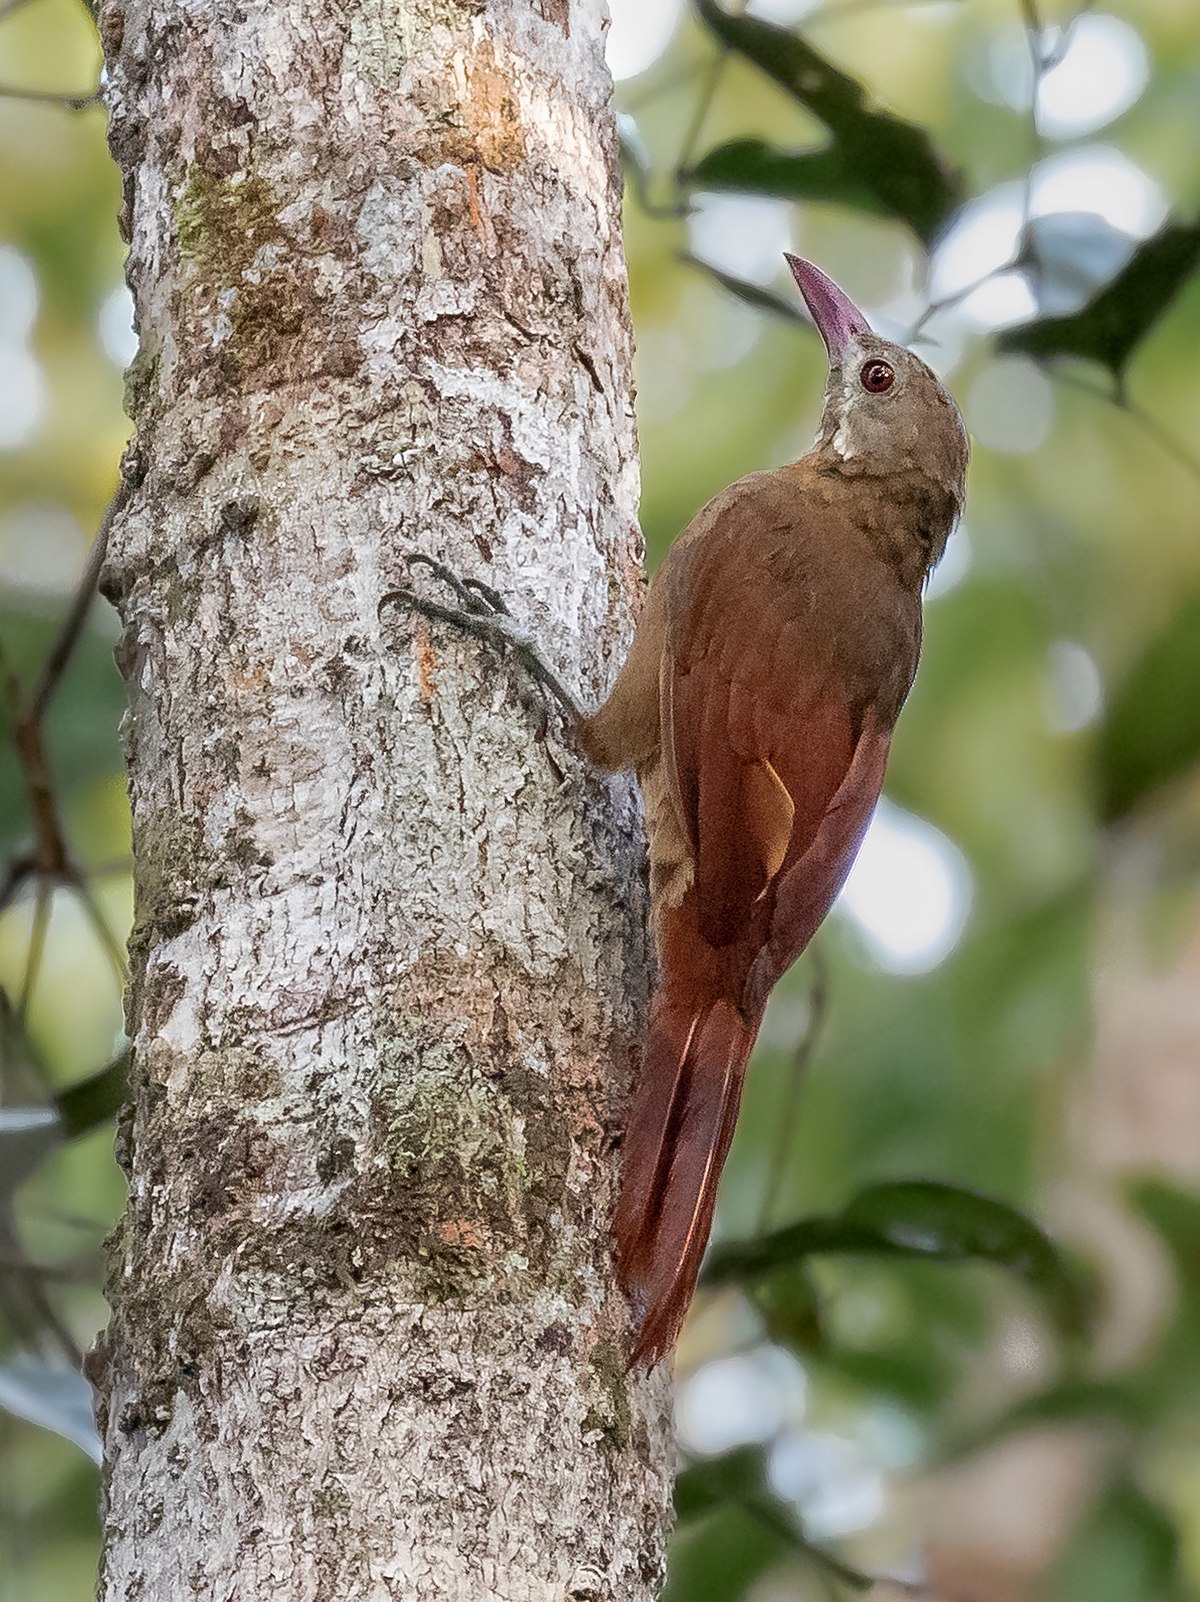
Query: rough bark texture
388, 970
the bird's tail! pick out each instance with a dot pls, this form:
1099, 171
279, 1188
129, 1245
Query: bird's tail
676, 1139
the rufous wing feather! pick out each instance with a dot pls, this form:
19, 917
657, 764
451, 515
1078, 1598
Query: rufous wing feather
679, 1131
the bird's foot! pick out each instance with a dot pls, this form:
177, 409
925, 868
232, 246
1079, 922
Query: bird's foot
483, 613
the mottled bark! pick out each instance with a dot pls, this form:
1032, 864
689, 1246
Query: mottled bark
389, 962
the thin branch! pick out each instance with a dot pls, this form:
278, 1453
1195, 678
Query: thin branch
113, 948
72, 624
7, 9
704, 102
1119, 399
944, 302
35, 951
818, 1011
51, 851
774, 1520
16, 871
109, 870
31, 1309
49, 97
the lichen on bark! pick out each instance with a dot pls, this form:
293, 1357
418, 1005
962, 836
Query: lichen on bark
389, 962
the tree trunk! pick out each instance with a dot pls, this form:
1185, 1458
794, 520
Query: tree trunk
389, 964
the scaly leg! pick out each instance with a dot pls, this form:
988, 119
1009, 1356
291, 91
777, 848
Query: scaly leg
483, 613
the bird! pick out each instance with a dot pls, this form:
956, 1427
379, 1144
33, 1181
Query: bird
777, 644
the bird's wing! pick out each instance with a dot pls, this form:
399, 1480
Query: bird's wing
760, 738
773, 762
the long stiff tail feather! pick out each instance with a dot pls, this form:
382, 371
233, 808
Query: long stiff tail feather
676, 1141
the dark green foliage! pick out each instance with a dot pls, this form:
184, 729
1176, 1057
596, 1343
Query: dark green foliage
1127, 1550
1113, 324
708, 1484
922, 1219
90, 1103
1151, 735
874, 159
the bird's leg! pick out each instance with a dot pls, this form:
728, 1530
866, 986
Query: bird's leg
482, 612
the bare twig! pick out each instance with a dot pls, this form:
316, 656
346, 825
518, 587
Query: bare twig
50, 852
1118, 397
113, 949
72, 624
35, 950
50, 861
818, 1010
50, 97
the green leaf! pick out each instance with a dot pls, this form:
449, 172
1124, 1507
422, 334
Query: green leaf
1072, 1401
1126, 1550
718, 1560
91, 1102
920, 1219
1175, 1214
1151, 734
736, 1481
790, 1309
712, 1482
1112, 324
752, 166
872, 155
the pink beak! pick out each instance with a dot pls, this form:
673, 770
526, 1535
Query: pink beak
837, 318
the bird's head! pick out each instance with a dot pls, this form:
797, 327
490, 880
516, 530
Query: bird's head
886, 414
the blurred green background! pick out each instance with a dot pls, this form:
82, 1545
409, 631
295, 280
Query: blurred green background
1008, 999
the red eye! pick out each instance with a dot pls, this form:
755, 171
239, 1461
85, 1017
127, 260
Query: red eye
877, 377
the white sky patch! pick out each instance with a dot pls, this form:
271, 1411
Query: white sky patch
24, 392
22, 388
41, 548
1103, 70
641, 30
114, 325
1095, 179
909, 892
983, 239
1000, 302
829, 1479
1102, 180
738, 1400
1074, 689
1010, 406
18, 296
743, 235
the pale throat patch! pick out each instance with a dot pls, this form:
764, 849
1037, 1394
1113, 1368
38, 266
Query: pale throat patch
841, 440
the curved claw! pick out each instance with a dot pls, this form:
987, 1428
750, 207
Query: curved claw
484, 613
493, 597
405, 597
